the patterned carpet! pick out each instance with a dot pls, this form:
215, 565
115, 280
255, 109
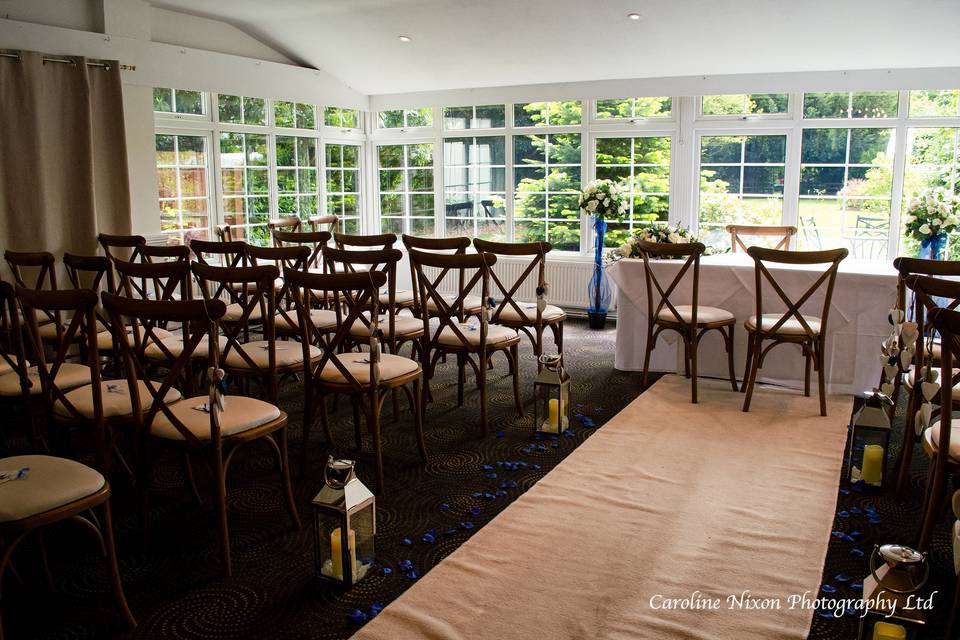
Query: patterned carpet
173, 583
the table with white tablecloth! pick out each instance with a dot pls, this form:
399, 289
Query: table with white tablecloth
857, 323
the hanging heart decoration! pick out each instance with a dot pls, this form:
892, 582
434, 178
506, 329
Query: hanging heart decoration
926, 412
930, 390
886, 389
895, 316
890, 371
908, 331
906, 357
918, 426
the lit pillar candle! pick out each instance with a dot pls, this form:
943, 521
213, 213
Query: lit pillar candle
554, 416
887, 631
336, 554
872, 472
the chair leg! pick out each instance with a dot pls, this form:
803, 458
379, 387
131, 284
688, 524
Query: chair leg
905, 457
285, 479
728, 338
191, 479
358, 437
694, 343
647, 349
417, 406
954, 611
482, 382
686, 359
220, 480
375, 433
754, 366
515, 366
938, 479
821, 384
112, 569
747, 364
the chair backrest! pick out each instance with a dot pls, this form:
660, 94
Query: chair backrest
455, 246
120, 247
783, 232
537, 252
358, 291
947, 324
220, 254
383, 261
165, 253
153, 280
284, 258
11, 339
223, 233
35, 270
285, 223
198, 320
317, 223
907, 267
658, 250
811, 232
81, 304
250, 288
929, 295
760, 256
313, 240
377, 241
91, 272
474, 271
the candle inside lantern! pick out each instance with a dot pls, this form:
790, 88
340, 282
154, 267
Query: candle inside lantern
872, 472
336, 553
552, 425
888, 631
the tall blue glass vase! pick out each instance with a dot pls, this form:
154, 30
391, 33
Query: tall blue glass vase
931, 248
599, 293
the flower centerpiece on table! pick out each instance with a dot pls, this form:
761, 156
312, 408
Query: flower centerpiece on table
662, 233
930, 217
605, 200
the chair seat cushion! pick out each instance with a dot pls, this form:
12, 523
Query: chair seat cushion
289, 353
551, 313
791, 327
471, 304
235, 312
241, 414
5, 367
323, 319
50, 483
358, 364
115, 395
174, 344
932, 438
705, 315
496, 334
403, 326
70, 376
400, 297
105, 338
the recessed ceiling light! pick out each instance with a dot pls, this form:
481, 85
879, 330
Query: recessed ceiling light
404, 38
633, 16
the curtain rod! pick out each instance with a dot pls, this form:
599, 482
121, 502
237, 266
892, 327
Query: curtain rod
102, 65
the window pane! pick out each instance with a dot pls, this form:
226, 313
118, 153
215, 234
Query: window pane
541, 114
297, 175
254, 111
546, 173
182, 187
457, 117
245, 182
633, 108
405, 188
230, 108
419, 117
741, 181
642, 166
343, 185
481, 117
930, 104
188, 101
305, 116
867, 104
489, 116
162, 99
283, 114
933, 160
475, 186
745, 104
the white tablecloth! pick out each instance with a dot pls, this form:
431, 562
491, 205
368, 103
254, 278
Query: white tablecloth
865, 291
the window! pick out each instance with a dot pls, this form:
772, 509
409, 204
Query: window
547, 114
741, 104
933, 160
245, 182
296, 176
342, 118
343, 184
178, 101
741, 181
405, 118
474, 184
294, 115
846, 178
546, 170
630, 108
481, 117
406, 188
182, 176
867, 104
242, 110
642, 166
933, 104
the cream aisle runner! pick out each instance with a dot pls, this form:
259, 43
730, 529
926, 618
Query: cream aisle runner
667, 500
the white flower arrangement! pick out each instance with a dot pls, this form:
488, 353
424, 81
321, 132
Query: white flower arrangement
661, 233
935, 212
604, 199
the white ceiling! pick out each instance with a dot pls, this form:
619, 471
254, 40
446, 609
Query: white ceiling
481, 43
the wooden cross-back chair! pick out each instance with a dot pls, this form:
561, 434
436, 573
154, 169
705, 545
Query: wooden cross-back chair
791, 326
165, 253
286, 223
940, 443
37, 270
472, 344
121, 247
527, 317
317, 223
223, 233
365, 376
927, 353
252, 289
97, 274
780, 233
196, 425
315, 241
232, 253
356, 241
154, 281
293, 258
443, 246
15, 385
690, 321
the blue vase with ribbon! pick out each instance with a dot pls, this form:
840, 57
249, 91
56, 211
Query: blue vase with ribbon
598, 290
931, 247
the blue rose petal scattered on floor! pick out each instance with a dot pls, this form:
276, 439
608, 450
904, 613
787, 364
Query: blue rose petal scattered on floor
466, 524
856, 553
412, 574
475, 511
428, 538
444, 507
855, 510
828, 588
358, 616
376, 606
405, 565
492, 476
386, 571
856, 586
450, 532
842, 578
843, 514
838, 534
535, 467
501, 434
478, 494
406, 542
825, 613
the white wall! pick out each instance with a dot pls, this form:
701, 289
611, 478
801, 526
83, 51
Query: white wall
84, 15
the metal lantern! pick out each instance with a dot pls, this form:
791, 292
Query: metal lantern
895, 605
345, 524
870, 440
551, 396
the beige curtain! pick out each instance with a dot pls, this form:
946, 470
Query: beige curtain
63, 154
